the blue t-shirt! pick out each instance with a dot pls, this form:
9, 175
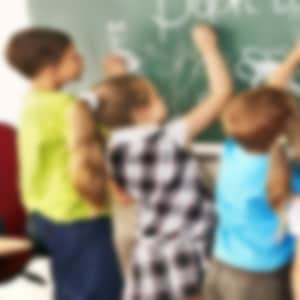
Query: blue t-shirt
248, 231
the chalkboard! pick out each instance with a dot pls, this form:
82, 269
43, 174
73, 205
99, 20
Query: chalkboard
155, 34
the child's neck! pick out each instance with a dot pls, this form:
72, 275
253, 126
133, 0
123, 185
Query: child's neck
259, 150
148, 122
45, 83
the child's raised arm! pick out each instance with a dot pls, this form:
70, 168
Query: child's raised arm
114, 65
283, 75
220, 82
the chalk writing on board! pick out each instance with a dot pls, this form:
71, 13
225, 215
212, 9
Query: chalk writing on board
256, 65
199, 9
117, 34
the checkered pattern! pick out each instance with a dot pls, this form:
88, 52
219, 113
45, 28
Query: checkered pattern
175, 216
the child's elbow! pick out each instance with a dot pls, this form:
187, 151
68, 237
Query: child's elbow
224, 94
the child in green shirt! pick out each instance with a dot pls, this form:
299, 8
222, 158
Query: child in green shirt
75, 230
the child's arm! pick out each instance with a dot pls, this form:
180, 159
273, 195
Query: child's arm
296, 273
283, 75
221, 86
120, 194
279, 178
11, 246
293, 223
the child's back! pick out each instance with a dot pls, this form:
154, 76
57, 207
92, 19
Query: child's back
45, 159
251, 253
248, 235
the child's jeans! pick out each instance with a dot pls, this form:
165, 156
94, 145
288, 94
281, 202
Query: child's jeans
226, 283
84, 263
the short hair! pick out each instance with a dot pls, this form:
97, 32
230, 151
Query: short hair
30, 50
121, 95
257, 117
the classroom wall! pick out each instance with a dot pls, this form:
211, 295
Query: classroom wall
13, 15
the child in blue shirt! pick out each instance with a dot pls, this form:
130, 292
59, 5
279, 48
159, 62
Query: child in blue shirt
251, 258
283, 184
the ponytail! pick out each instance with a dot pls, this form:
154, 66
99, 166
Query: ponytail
110, 105
87, 163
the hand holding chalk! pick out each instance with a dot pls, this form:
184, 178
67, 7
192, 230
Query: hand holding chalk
204, 37
114, 65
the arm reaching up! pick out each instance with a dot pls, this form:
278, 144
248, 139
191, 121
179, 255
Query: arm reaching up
283, 75
220, 83
114, 65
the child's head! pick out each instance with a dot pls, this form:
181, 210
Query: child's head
129, 100
256, 118
38, 52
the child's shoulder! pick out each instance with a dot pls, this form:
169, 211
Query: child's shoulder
42, 109
176, 130
49, 97
166, 136
234, 151
229, 145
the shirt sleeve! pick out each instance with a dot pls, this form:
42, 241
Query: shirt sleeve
294, 217
177, 131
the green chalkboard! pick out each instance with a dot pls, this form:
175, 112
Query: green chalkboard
254, 34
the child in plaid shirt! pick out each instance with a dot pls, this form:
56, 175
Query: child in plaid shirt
151, 164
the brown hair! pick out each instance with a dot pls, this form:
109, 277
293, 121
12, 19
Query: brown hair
117, 99
32, 49
119, 96
256, 118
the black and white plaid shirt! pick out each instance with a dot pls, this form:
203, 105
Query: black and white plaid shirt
175, 214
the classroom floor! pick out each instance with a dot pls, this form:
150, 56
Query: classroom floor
22, 289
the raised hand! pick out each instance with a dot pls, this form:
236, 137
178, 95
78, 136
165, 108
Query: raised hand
205, 38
